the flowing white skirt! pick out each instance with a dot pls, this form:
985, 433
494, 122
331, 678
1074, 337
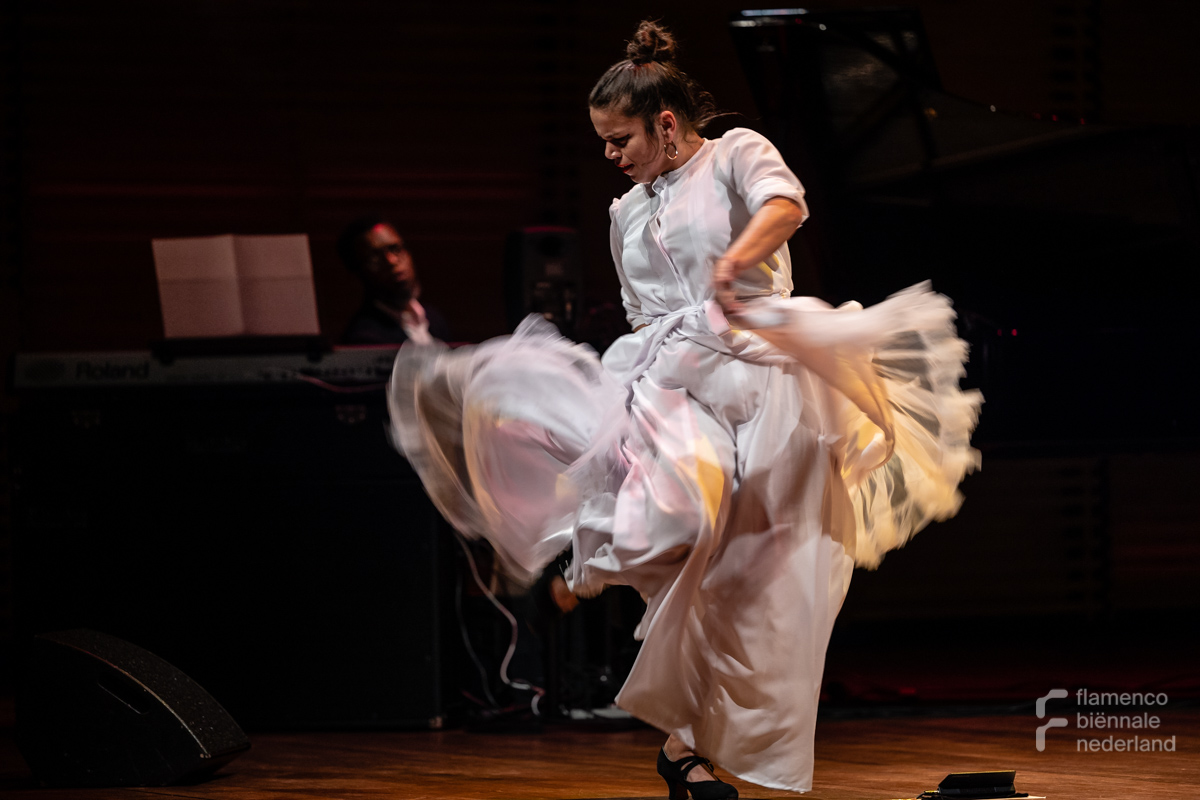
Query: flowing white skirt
734, 478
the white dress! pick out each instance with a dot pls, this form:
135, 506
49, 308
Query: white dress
734, 478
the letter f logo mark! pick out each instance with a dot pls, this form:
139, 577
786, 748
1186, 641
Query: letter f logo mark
1053, 722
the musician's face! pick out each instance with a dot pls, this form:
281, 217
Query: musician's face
387, 263
627, 144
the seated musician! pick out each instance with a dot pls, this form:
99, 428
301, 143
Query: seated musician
390, 313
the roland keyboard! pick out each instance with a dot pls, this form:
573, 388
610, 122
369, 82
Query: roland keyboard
352, 366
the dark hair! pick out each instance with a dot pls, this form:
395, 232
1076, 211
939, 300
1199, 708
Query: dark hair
349, 239
648, 82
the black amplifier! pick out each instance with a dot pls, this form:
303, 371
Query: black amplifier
245, 519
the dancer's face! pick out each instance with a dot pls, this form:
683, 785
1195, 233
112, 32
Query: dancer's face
639, 154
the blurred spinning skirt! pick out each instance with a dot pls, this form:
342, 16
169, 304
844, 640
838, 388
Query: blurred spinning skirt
734, 478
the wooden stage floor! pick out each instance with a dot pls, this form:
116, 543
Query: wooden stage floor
857, 759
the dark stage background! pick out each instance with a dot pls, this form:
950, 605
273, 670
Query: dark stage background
1073, 264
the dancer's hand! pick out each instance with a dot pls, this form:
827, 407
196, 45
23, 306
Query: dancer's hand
724, 271
768, 230
562, 596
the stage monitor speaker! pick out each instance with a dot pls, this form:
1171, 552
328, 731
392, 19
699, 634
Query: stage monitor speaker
95, 710
543, 275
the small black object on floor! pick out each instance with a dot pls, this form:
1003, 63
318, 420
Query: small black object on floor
976, 786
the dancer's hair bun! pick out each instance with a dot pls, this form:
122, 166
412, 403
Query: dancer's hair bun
651, 43
660, 86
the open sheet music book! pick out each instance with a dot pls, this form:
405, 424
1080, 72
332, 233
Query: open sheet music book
236, 286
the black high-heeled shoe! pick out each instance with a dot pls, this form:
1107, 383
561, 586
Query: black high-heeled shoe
675, 774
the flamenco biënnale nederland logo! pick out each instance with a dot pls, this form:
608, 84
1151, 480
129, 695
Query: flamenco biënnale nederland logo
1109, 722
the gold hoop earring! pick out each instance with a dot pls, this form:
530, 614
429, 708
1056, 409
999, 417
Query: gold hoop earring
672, 146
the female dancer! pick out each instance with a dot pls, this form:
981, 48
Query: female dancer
733, 457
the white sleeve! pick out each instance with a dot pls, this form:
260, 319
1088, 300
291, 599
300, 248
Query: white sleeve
629, 298
415, 324
756, 170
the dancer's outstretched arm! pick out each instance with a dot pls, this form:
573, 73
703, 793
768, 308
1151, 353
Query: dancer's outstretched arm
766, 232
